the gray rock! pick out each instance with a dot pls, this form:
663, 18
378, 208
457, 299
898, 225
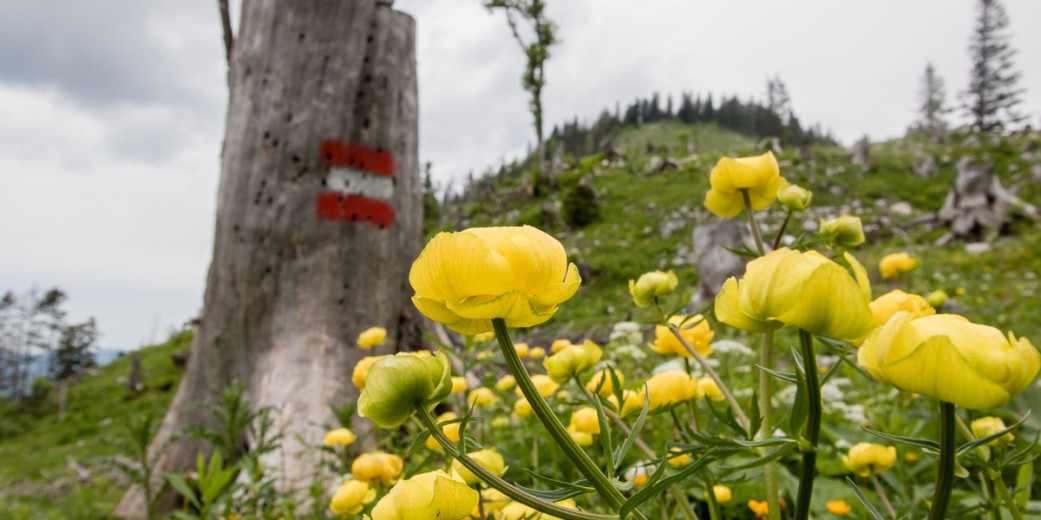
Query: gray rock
860, 152
926, 166
977, 248
901, 209
715, 264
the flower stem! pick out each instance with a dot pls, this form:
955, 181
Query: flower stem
766, 428
574, 453
496, 482
780, 232
813, 426
945, 470
752, 222
1006, 497
881, 491
738, 412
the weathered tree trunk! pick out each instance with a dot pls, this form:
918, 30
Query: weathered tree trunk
319, 217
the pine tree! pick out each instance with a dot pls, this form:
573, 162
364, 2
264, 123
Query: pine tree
933, 108
75, 349
992, 94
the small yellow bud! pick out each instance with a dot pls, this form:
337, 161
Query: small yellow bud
506, 383
794, 197
572, 360
838, 507
489, 459
987, 426
378, 466
537, 353
522, 408
723, 493
459, 385
351, 498
937, 298
895, 264
845, 231
372, 337
652, 285
481, 397
602, 383
866, 459
339, 437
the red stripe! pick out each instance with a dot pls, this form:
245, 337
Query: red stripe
372, 160
332, 205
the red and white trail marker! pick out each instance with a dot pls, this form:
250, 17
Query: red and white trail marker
359, 185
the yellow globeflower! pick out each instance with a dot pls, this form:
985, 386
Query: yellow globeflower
494, 500
361, 370
602, 383
845, 231
435, 495
838, 507
489, 459
708, 389
396, 385
506, 383
949, 358
761, 176
892, 302
677, 458
987, 426
671, 386
339, 437
484, 336
466, 279
537, 353
559, 344
631, 401
351, 498
761, 509
543, 383
450, 430
723, 493
695, 330
580, 437
522, 408
867, 459
794, 197
518, 511
372, 337
459, 385
804, 290
896, 263
652, 285
481, 397
572, 360
521, 349
585, 419
378, 466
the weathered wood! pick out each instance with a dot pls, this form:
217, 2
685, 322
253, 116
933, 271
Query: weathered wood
287, 291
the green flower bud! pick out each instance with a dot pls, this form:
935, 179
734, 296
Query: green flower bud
651, 285
937, 299
397, 384
572, 360
987, 426
845, 231
794, 197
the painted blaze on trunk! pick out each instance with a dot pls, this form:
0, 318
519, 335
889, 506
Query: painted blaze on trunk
319, 216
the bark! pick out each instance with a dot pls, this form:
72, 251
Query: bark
293, 282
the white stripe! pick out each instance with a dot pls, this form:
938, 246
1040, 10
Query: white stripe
357, 182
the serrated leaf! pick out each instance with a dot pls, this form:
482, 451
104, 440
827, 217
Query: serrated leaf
984, 440
729, 420
652, 490
921, 443
182, 487
744, 252
863, 500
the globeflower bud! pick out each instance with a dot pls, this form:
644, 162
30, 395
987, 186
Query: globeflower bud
396, 385
489, 459
937, 298
481, 397
450, 430
949, 358
361, 370
339, 437
372, 337
585, 419
695, 330
430, 495
602, 383
845, 231
378, 466
522, 408
669, 387
546, 386
867, 459
723, 493
537, 353
572, 360
987, 426
459, 385
559, 344
895, 264
351, 498
467, 279
708, 389
794, 197
521, 349
652, 285
506, 383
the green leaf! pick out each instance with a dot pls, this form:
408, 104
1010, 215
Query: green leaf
783, 376
863, 500
729, 420
921, 443
759, 461
182, 487
606, 442
567, 489
627, 444
831, 371
1023, 479
652, 488
800, 407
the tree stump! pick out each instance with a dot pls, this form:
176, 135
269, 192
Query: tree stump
319, 217
978, 206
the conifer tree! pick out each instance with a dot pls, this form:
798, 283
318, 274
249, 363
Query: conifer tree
933, 108
992, 96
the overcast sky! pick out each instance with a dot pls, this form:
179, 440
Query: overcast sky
112, 111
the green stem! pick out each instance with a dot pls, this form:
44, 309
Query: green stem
945, 470
1006, 497
780, 232
813, 427
738, 412
766, 428
496, 482
881, 491
989, 483
752, 222
556, 429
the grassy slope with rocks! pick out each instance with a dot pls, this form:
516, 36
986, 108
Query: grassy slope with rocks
646, 223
